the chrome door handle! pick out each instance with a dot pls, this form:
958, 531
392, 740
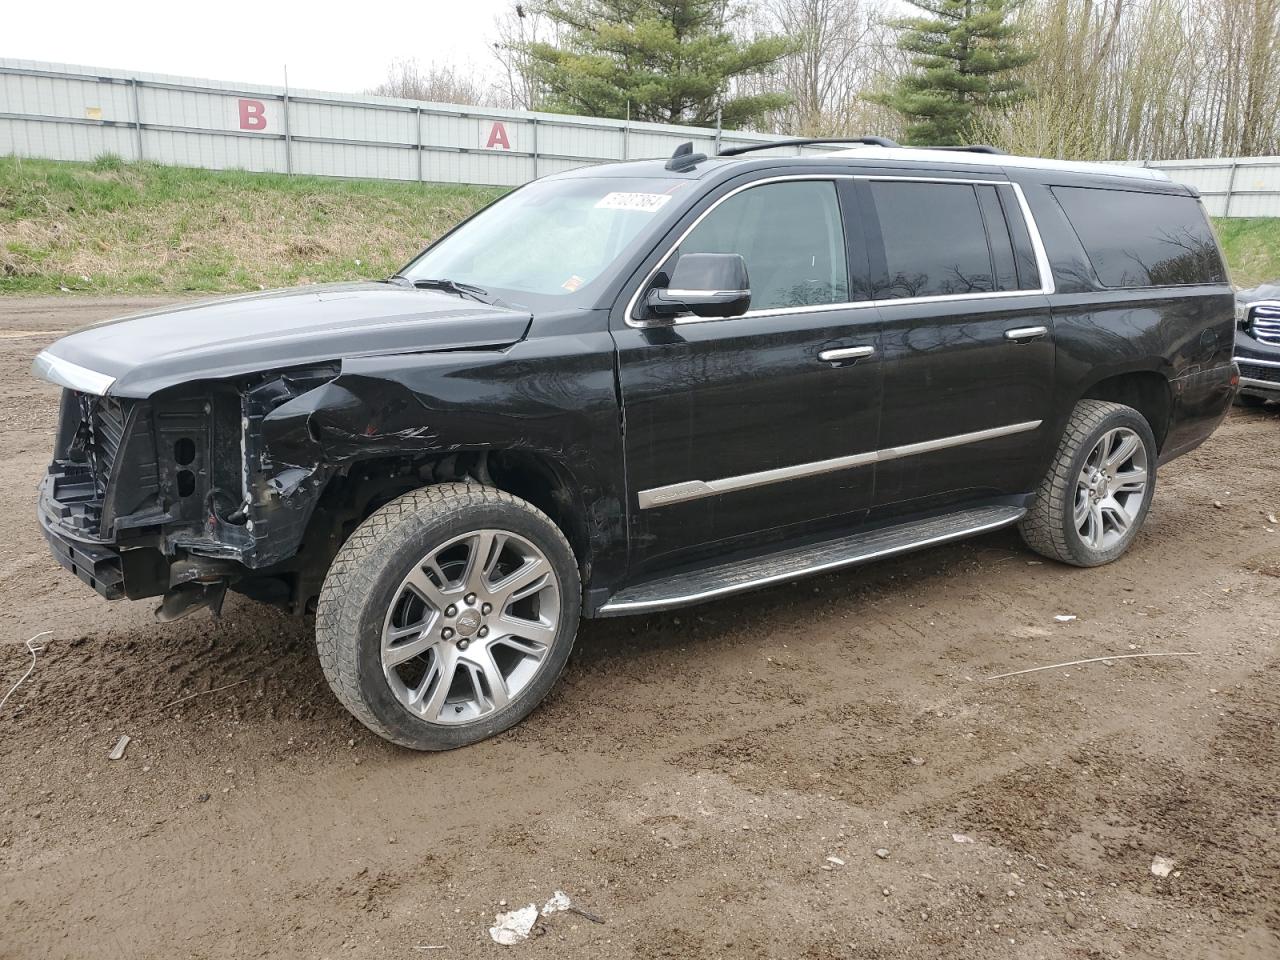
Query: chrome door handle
846, 353
1019, 334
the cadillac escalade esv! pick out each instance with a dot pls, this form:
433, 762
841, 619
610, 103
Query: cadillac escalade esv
641, 385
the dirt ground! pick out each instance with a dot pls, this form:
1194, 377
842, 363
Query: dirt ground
779, 775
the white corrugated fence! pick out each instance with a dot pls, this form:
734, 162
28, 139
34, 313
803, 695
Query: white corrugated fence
64, 112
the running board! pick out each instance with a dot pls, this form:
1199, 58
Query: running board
726, 578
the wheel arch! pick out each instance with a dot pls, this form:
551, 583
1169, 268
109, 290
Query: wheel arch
1147, 391
533, 476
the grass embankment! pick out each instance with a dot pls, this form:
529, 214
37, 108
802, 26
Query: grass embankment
1252, 246
110, 227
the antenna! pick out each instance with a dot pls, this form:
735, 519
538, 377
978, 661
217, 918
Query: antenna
684, 158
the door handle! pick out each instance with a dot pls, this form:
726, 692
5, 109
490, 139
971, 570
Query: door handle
846, 353
1021, 334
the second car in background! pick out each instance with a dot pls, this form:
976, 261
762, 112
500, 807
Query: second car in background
1258, 344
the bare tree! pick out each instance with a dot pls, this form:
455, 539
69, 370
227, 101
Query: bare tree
522, 24
441, 84
1149, 79
844, 50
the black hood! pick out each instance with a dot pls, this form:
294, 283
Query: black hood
281, 328
1264, 291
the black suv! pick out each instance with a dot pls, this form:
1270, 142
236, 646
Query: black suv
1258, 344
636, 386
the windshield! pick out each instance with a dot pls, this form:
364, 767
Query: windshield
551, 238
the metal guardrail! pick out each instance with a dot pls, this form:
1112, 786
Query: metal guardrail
67, 112
40, 102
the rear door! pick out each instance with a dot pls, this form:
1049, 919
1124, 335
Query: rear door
967, 340
743, 430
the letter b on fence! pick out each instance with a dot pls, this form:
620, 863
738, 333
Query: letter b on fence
253, 115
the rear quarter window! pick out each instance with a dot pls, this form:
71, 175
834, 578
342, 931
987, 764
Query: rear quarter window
1143, 239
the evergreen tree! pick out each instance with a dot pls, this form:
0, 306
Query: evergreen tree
966, 54
672, 61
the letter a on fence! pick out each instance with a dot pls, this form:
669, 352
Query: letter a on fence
253, 115
498, 137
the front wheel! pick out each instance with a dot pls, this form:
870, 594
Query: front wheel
448, 615
1095, 496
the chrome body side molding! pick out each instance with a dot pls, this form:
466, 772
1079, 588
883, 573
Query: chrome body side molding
697, 489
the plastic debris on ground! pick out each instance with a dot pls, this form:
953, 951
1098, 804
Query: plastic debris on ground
514, 926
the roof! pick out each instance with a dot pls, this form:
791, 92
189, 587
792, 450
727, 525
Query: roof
996, 160
898, 156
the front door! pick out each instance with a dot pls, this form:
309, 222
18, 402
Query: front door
967, 342
743, 430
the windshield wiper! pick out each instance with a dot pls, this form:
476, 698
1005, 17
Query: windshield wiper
453, 286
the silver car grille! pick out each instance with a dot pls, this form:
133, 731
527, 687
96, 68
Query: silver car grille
1264, 322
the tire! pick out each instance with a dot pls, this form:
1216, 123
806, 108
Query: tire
1250, 400
1077, 516
402, 609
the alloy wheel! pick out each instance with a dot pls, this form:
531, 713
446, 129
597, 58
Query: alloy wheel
1110, 488
470, 626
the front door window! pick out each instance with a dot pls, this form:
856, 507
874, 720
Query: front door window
790, 234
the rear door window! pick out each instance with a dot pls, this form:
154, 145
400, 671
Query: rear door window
935, 241
791, 235
1143, 239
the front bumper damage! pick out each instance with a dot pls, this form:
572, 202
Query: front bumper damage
98, 565
167, 496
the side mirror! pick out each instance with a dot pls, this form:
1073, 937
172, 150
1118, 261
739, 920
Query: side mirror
704, 284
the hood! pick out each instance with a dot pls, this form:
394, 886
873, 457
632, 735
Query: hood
1264, 291
138, 355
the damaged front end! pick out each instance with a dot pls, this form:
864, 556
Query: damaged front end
177, 495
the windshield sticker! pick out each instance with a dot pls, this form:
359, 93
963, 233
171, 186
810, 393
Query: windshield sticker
573, 283
644, 202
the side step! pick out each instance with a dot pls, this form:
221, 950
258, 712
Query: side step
725, 578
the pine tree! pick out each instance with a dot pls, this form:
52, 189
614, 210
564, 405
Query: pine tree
966, 55
666, 61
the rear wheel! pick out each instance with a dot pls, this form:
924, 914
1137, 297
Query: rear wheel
1095, 496
448, 615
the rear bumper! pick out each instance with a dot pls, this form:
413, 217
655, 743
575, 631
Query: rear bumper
1201, 402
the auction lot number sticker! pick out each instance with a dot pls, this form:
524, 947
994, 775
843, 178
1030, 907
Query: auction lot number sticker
644, 202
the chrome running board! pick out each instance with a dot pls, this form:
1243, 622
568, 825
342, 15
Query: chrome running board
726, 578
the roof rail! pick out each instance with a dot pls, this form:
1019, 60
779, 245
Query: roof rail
684, 158
805, 141
972, 148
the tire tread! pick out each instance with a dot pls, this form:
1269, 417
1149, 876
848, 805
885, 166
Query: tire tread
1042, 527
351, 579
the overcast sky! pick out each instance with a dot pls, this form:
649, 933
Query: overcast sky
328, 46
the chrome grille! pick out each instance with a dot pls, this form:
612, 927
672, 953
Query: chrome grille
1263, 322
